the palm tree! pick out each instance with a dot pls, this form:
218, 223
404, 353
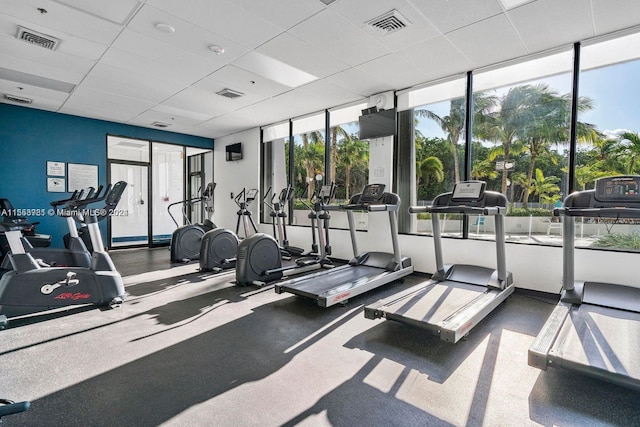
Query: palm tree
352, 153
312, 156
335, 131
551, 124
630, 148
452, 125
430, 168
545, 187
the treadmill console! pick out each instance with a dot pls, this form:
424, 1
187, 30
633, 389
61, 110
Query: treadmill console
252, 194
372, 193
625, 189
468, 191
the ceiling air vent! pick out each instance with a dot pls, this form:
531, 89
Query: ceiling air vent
37, 38
230, 93
17, 99
389, 22
160, 125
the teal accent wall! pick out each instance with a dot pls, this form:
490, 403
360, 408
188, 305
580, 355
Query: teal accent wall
29, 138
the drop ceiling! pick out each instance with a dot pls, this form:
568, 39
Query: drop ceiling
141, 62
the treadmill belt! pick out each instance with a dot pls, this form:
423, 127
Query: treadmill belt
601, 338
436, 302
336, 280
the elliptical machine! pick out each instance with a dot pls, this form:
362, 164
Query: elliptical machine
186, 239
259, 261
278, 221
219, 246
30, 288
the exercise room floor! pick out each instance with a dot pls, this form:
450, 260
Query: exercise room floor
192, 349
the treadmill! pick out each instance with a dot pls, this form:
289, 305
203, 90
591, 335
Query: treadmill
366, 271
595, 328
458, 296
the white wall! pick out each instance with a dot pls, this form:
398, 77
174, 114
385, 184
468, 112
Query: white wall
533, 266
232, 177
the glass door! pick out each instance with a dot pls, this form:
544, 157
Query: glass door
131, 225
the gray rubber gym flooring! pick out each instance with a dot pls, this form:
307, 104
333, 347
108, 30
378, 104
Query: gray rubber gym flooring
191, 349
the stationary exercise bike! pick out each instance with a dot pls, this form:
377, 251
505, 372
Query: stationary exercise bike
77, 252
186, 239
219, 246
31, 288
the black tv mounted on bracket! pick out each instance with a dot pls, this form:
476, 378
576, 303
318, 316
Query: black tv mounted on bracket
234, 152
376, 123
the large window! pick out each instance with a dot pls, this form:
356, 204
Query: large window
308, 161
609, 132
438, 148
521, 132
275, 161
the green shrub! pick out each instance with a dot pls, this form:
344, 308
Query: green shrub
528, 212
619, 241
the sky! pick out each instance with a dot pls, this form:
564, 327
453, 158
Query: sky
615, 90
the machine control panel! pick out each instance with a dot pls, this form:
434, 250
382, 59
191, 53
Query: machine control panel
618, 189
372, 193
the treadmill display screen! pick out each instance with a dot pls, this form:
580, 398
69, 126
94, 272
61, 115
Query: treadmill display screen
372, 193
618, 188
468, 190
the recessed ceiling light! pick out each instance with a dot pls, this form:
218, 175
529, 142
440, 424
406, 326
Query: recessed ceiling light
165, 28
218, 50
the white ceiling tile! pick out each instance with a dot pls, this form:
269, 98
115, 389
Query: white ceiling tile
177, 123
105, 105
283, 13
273, 69
238, 79
171, 60
300, 54
69, 45
453, 14
27, 66
113, 10
610, 16
187, 36
139, 88
339, 38
539, 28
488, 42
226, 18
208, 102
394, 71
436, 58
63, 19
357, 81
42, 98
44, 57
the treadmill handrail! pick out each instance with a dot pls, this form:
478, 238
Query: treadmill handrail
595, 212
492, 210
369, 207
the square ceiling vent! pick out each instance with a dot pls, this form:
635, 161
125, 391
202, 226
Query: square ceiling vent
388, 23
230, 93
39, 39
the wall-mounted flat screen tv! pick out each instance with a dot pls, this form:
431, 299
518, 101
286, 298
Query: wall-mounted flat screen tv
234, 151
377, 124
